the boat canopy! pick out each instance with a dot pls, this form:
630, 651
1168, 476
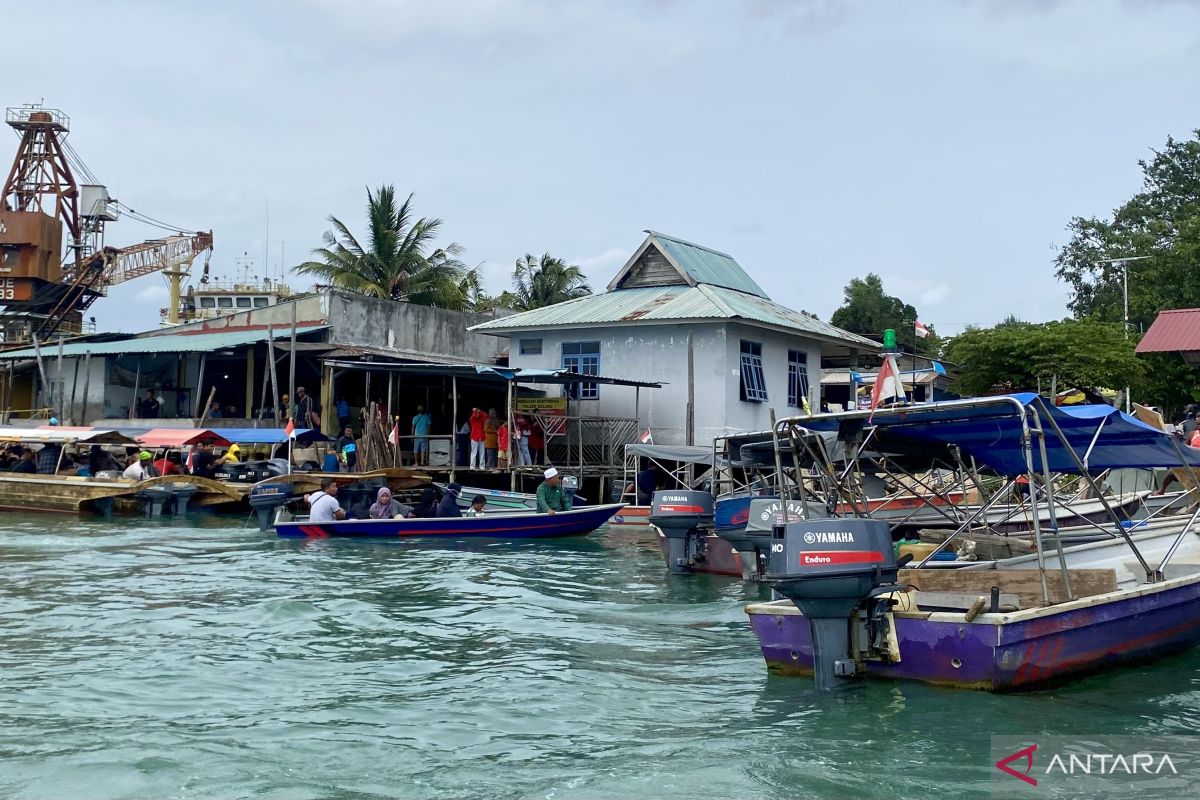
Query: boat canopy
684, 454
268, 435
54, 434
181, 437
991, 430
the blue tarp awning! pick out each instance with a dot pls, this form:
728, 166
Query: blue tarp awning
991, 433
267, 435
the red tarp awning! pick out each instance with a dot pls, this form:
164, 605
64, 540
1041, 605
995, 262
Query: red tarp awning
180, 437
1174, 330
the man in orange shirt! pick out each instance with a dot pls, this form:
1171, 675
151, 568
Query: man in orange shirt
491, 430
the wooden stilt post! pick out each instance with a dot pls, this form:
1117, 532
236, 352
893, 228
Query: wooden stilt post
200, 386
137, 385
453, 425
512, 467
87, 376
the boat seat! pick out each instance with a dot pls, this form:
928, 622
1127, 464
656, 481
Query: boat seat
960, 601
1026, 584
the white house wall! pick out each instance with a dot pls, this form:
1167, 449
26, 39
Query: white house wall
657, 352
648, 353
747, 416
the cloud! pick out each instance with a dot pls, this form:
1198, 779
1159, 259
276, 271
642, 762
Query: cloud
151, 293
601, 268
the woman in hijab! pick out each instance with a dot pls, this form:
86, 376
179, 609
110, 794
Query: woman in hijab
387, 508
448, 507
428, 505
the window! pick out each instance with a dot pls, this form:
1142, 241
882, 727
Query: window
225, 302
797, 378
243, 302
584, 358
261, 302
754, 383
530, 347
208, 302
10, 256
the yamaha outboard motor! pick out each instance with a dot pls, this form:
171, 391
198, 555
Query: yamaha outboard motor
835, 571
680, 515
265, 498
570, 486
753, 541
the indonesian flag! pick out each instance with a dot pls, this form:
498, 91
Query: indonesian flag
887, 385
289, 430
920, 330
191, 454
646, 437
394, 436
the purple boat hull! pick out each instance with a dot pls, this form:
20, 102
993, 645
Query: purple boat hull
1010, 652
578, 522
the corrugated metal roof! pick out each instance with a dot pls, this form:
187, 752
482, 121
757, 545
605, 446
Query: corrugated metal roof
160, 343
707, 266
1176, 329
670, 303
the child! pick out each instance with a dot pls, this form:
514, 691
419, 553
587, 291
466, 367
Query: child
502, 440
477, 504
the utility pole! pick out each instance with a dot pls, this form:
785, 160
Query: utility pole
1124, 263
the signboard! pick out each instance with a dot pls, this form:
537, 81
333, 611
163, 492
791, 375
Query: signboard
531, 405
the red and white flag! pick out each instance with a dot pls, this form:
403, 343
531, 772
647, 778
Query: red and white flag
289, 430
191, 454
394, 437
646, 437
921, 330
887, 385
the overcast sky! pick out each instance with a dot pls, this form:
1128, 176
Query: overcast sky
944, 145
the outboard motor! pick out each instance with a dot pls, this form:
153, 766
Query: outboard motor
265, 498
753, 541
155, 497
680, 515
836, 572
182, 493
570, 485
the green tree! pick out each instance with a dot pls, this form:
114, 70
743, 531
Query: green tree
1162, 223
545, 280
399, 261
868, 311
1018, 356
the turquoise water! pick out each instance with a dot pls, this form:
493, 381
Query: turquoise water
143, 660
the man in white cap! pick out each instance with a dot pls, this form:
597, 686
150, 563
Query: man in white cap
550, 495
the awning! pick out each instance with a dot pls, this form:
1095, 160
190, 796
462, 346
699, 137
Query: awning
57, 435
267, 435
162, 343
1174, 330
990, 430
665, 452
181, 437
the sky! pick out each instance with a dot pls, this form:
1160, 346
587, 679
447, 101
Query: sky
944, 145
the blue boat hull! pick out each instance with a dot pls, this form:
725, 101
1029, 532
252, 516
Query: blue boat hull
579, 522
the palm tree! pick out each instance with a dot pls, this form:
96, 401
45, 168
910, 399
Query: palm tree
399, 262
546, 280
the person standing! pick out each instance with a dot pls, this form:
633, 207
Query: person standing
503, 445
520, 435
308, 411
343, 412
550, 495
149, 407
537, 442
421, 425
491, 428
477, 419
323, 505
347, 449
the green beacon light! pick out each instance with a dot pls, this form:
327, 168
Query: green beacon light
889, 340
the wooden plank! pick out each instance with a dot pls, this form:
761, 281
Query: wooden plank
1026, 584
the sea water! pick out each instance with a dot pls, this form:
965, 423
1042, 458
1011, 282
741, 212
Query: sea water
204, 659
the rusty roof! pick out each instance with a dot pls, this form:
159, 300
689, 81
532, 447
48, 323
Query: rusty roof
1174, 330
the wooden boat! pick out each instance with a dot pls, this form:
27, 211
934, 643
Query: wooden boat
1133, 597
632, 517
579, 522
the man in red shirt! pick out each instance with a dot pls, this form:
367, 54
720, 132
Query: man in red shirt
167, 466
477, 421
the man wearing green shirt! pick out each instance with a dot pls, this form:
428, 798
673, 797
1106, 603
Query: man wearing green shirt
550, 495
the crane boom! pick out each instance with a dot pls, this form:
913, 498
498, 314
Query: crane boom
154, 256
